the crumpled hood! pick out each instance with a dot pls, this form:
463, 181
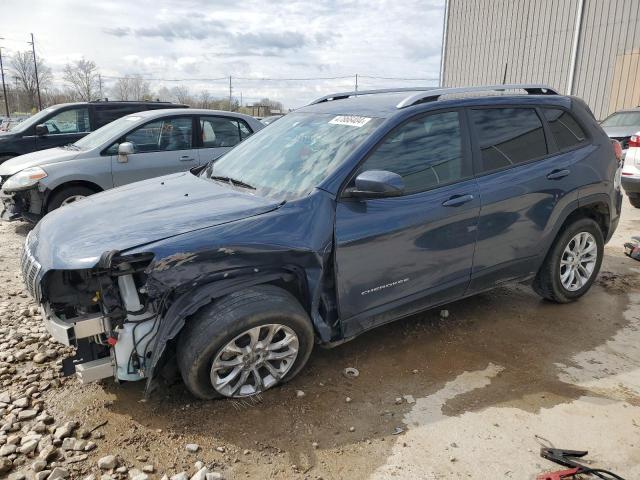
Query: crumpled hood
75, 236
620, 131
37, 159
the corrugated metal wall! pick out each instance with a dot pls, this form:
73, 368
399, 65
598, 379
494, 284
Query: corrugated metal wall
531, 41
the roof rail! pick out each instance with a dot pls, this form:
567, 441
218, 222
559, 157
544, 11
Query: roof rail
435, 94
343, 95
99, 100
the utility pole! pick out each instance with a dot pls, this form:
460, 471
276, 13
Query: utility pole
356, 83
4, 87
100, 85
35, 67
230, 92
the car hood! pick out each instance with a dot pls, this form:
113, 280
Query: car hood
37, 159
75, 236
616, 132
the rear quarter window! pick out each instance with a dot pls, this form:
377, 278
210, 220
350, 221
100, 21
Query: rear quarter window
566, 131
508, 136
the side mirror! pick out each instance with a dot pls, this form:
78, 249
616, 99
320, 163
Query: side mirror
42, 130
124, 150
376, 184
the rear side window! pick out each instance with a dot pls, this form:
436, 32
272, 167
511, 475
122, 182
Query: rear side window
426, 152
508, 136
564, 128
108, 113
222, 132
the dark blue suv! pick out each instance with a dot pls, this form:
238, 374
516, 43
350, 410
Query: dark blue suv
356, 210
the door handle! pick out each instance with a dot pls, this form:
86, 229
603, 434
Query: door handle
557, 174
186, 158
457, 200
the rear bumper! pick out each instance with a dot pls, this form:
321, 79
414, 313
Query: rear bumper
631, 184
21, 205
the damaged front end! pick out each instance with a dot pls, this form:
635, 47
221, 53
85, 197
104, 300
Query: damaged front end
102, 311
21, 205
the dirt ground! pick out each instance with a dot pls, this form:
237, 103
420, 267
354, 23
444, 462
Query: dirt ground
474, 395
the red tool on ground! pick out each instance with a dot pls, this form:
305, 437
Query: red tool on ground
566, 458
559, 475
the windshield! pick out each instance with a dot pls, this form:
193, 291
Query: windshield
623, 119
33, 120
96, 139
294, 154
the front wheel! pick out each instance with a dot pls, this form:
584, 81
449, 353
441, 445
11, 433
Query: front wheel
572, 264
244, 343
67, 196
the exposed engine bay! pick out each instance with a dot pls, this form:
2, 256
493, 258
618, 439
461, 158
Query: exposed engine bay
107, 314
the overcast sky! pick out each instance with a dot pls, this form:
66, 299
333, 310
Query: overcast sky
198, 39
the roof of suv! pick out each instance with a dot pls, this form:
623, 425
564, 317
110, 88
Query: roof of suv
160, 112
119, 102
384, 103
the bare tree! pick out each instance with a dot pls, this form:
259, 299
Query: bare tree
140, 89
272, 104
83, 79
164, 95
182, 95
122, 89
205, 100
132, 87
24, 73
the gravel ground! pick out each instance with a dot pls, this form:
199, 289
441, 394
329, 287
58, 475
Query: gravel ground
473, 395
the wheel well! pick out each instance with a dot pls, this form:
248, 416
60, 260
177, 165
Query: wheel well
292, 285
76, 183
599, 212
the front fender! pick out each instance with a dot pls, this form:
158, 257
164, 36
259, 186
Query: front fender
191, 301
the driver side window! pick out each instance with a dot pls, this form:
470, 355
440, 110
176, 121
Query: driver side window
75, 120
165, 135
426, 152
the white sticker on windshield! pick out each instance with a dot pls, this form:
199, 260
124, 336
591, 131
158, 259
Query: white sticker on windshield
350, 120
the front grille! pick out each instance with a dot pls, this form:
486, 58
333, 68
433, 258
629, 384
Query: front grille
624, 141
30, 270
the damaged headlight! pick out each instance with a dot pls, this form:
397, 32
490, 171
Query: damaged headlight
24, 179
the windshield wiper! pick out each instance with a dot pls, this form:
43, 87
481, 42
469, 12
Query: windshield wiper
71, 146
233, 181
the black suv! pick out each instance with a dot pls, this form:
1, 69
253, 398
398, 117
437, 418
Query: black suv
66, 123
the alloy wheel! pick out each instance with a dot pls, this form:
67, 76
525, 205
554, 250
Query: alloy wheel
254, 361
578, 261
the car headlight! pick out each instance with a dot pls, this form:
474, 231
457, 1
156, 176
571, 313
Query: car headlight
24, 179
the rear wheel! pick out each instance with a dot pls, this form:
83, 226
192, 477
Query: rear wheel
67, 196
244, 343
572, 264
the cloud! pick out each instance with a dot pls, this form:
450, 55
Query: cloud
189, 40
117, 31
184, 28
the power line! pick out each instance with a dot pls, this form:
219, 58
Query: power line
271, 79
150, 79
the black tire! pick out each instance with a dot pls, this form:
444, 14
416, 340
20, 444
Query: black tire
216, 324
635, 201
58, 198
547, 283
